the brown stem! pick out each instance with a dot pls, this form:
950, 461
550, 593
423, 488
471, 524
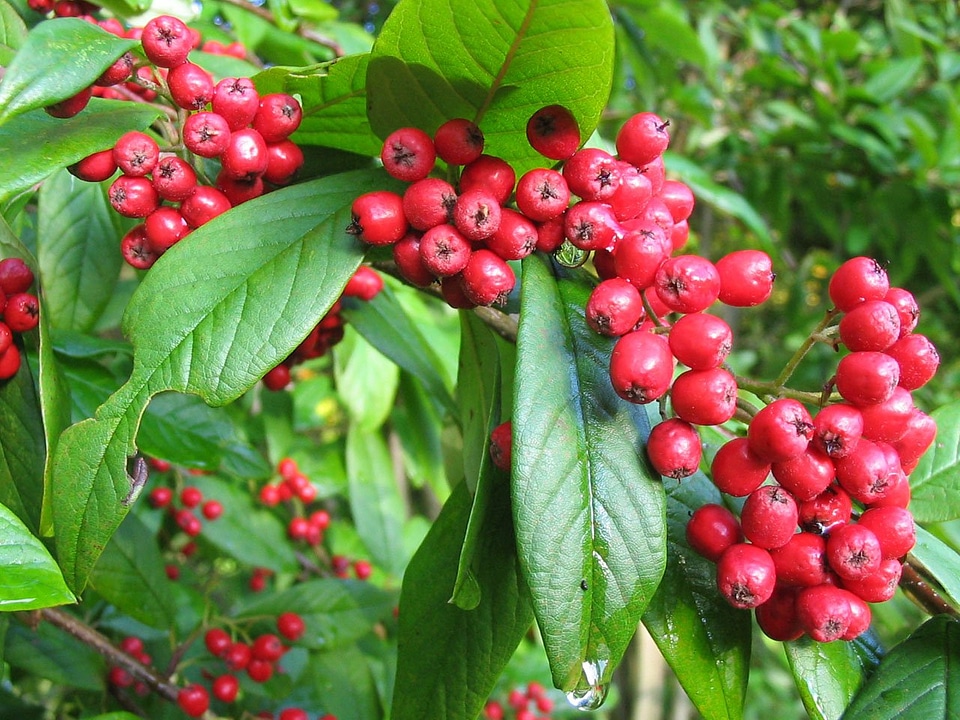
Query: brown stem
918, 588
302, 31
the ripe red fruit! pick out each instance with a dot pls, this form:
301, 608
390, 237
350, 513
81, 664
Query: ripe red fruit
364, 284
769, 516
500, 450
6, 337
406, 254
284, 159
96, 167
837, 429
678, 197
641, 367
614, 308
164, 227
746, 278
701, 341
293, 714
458, 141
225, 688
550, 234
191, 497
188, 522
166, 41
193, 700
853, 551
805, 475
237, 101
136, 249
477, 214
736, 470
780, 431
919, 435
777, 617
245, 156
217, 641
879, 586
857, 280
22, 312
639, 254
428, 203
408, 154
378, 218
118, 72
362, 569
887, 421
492, 173
259, 670
206, 134
9, 362
267, 647
632, 194
237, 656
276, 379
865, 473
802, 560
239, 190
642, 138
894, 529
865, 378
291, 626
278, 116
212, 509
119, 677
515, 238
553, 132
687, 283
871, 325
746, 575
160, 497
486, 278
191, 87
674, 448
592, 174
70, 106
906, 307
444, 251
591, 225
133, 196
704, 397
174, 179
711, 529
917, 358
824, 612
542, 194
203, 205
829, 510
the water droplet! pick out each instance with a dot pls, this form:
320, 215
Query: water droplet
590, 692
569, 255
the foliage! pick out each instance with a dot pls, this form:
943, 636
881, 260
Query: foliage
814, 134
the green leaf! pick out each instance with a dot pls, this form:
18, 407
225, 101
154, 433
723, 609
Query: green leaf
50, 653
336, 612
31, 578
56, 143
723, 199
706, 643
334, 99
366, 380
589, 513
894, 78
55, 409
939, 562
223, 66
130, 575
13, 32
337, 682
79, 234
247, 531
375, 501
215, 313
494, 62
315, 10
385, 325
449, 659
418, 424
935, 493
58, 59
917, 679
828, 675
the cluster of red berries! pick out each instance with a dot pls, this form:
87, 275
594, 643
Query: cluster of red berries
525, 704
190, 498
363, 285
828, 535
19, 312
248, 135
120, 677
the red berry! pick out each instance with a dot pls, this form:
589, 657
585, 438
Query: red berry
191, 497
917, 358
267, 647
780, 431
428, 203
591, 225
633, 193
136, 249
824, 612
641, 367
687, 283
865, 473
642, 139
674, 448
406, 254
364, 284
174, 179
492, 173
871, 325
777, 617
284, 160
237, 101
97, 167
515, 238
837, 429
550, 235
553, 132
805, 475
260, 670
206, 134
119, 677
865, 378
15, 276
293, 714
894, 529
188, 522
191, 87
857, 280
678, 197
458, 141
408, 154
444, 251
239, 190
887, 421
769, 517
919, 435
362, 569
164, 227
487, 279
746, 278
705, 397
22, 312
746, 575
278, 117
160, 497
711, 529
639, 254
70, 106
592, 174
906, 306
500, 450
133, 196
614, 307
879, 586
166, 41
212, 509
9, 362
203, 206
245, 156
225, 688
237, 656
476, 214
493, 710
829, 510
6, 337
853, 551
542, 194
802, 560
378, 218
291, 626
193, 700
701, 341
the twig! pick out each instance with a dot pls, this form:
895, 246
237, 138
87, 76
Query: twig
917, 587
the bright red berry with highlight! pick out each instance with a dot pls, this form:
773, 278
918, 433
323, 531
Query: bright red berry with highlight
746, 575
769, 516
642, 138
193, 700
553, 132
542, 194
22, 313
871, 325
711, 529
378, 218
225, 688
614, 308
780, 431
641, 367
857, 280
802, 560
746, 278
829, 510
278, 117
865, 378
206, 134
458, 141
824, 612
917, 358
591, 225
174, 179
837, 429
237, 101
687, 283
133, 196
705, 397
408, 154
191, 87
492, 173
487, 279
291, 626
444, 251
428, 203
854, 551
217, 641
674, 448
204, 204
592, 174
701, 341
166, 41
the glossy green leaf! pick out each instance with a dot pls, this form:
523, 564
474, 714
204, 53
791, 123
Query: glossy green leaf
58, 59
31, 578
939, 562
130, 575
247, 531
55, 409
418, 423
828, 675
337, 682
494, 62
449, 659
935, 491
385, 325
79, 234
366, 379
705, 641
919, 678
50, 653
375, 503
215, 313
13, 32
336, 612
334, 99
56, 143
589, 513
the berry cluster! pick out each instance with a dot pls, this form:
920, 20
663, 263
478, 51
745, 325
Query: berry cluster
828, 535
524, 704
19, 312
120, 677
247, 134
363, 285
190, 498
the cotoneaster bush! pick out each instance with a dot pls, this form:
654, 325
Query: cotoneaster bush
350, 384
